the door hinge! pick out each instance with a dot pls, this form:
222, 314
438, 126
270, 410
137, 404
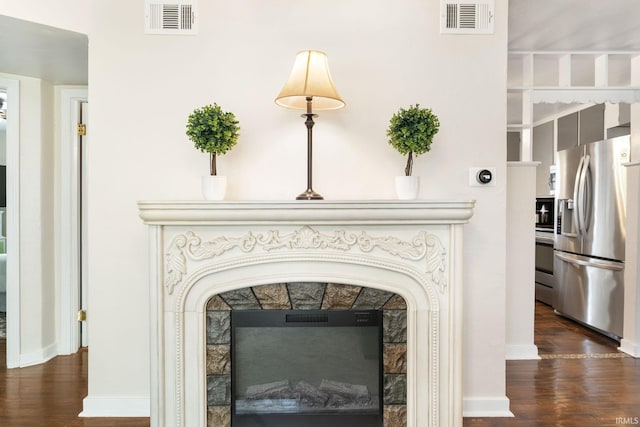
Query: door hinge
82, 129
82, 315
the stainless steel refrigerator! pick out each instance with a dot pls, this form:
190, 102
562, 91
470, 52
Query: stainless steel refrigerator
590, 234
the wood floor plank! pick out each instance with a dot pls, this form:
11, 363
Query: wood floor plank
596, 391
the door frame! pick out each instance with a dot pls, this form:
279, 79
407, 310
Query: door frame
70, 338
71, 222
13, 221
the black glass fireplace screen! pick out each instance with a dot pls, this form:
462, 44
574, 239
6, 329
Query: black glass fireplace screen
306, 368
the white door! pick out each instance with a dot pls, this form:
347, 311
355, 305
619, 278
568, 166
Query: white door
74, 108
84, 115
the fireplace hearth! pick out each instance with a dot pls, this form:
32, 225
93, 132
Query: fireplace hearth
201, 251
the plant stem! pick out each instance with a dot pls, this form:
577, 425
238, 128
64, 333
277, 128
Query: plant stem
212, 168
409, 167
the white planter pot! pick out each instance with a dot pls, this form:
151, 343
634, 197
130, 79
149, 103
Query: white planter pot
407, 187
214, 187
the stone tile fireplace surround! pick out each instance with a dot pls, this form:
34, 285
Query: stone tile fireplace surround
306, 296
200, 250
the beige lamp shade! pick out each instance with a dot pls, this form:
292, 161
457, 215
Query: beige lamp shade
310, 78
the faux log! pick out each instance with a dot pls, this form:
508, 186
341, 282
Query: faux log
350, 392
310, 395
274, 390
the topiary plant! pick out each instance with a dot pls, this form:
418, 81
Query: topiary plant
213, 131
411, 131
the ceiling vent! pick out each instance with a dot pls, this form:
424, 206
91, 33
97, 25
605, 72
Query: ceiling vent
466, 17
174, 17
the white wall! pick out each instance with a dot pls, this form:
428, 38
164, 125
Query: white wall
383, 56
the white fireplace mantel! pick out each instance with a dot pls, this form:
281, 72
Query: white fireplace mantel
199, 249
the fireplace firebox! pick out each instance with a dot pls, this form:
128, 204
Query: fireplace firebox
306, 368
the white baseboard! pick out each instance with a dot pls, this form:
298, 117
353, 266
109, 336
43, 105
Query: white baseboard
522, 352
115, 407
140, 407
488, 407
630, 347
38, 357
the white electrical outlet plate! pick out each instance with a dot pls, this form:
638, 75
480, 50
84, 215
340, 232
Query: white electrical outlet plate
473, 177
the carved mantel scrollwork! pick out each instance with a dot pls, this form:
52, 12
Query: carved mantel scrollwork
189, 245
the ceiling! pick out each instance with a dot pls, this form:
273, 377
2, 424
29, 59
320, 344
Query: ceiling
570, 25
49, 53
574, 25
60, 56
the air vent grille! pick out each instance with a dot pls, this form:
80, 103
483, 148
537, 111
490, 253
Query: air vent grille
467, 17
177, 17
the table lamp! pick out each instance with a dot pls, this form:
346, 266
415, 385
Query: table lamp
310, 87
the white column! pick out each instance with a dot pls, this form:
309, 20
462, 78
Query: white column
631, 333
635, 110
526, 137
520, 292
564, 70
601, 70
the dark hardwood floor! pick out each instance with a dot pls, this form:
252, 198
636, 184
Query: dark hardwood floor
50, 395
581, 380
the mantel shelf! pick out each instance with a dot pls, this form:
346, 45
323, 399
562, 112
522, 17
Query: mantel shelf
316, 212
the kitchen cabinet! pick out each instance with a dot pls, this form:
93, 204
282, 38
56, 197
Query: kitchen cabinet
581, 127
567, 131
591, 124
543, 153
513, 146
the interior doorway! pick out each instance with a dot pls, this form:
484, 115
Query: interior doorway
64, 70
73, 110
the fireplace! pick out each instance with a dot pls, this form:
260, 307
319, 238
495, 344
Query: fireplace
303, 368
202, 251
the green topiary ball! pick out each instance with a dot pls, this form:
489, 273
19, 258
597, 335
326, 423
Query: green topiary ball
412, 130
212, 130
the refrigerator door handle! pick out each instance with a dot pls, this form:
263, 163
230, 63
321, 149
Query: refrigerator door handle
595, 263
586, 207
577, 197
